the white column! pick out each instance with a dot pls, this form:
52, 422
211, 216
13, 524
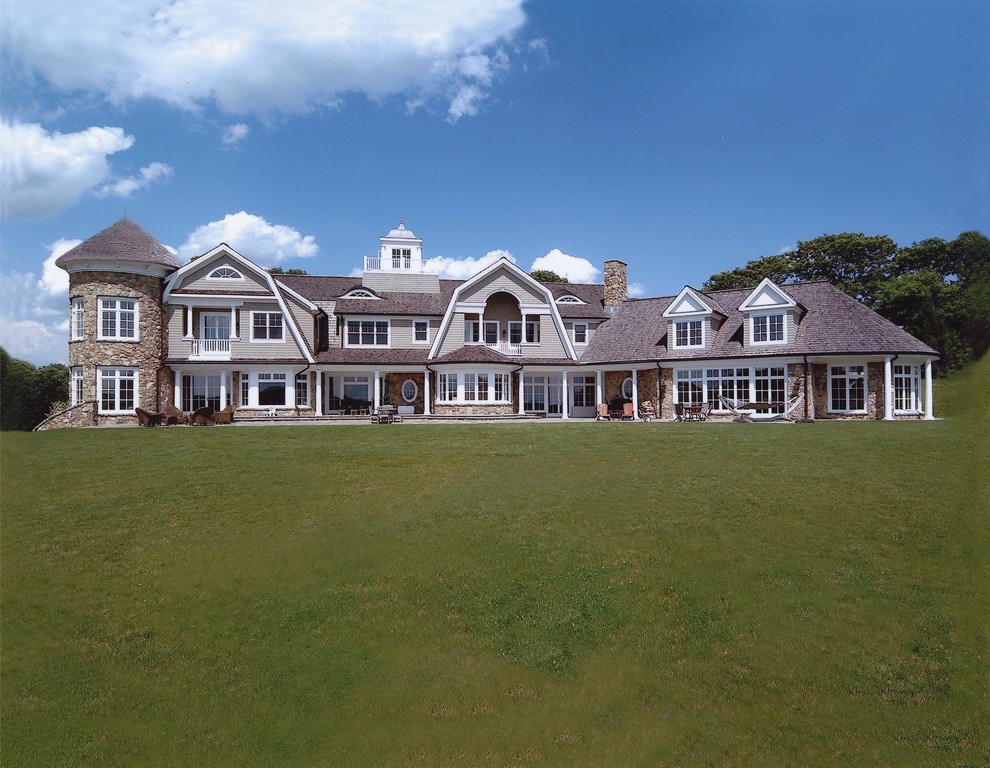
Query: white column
233, 322
929, 403
564, 399
635, 397
189, 322
319, 393
378, 389
888, 390
177, 394
426, 393
522, 406
599, 394
223, 389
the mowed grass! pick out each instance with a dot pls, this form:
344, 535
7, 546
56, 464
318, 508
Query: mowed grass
525, 595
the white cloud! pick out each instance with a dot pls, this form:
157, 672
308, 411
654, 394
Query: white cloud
573, 268
636, 290
36, 342
41, 173
55, 280
144, 178
252, 236
235, 134
193, 52
462, 269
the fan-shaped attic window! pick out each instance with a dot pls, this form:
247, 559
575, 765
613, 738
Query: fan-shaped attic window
359, 294
225, 273
569, 299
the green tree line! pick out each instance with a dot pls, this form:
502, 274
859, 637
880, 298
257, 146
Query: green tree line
937, 290
27, 393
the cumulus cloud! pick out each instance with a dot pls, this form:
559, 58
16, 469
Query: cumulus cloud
573, 268
144, 178
636, 290
252, 236
462, 269
42, 173
38, 343
55, 280
235, 134
189, 53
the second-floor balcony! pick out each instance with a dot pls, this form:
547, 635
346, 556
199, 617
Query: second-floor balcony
210, 349
396, 264
505, 348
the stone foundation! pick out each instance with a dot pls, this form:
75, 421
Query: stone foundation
500, 409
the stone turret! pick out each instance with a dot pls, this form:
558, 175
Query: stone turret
116, 347
616, 284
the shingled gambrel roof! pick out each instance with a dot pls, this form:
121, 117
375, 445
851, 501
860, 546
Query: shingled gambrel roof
593, 294
123, 241
833, 324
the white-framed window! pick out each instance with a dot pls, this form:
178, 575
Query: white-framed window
627, 388
357, 389
410, 389
584, 391
515, 331
359, 293
118, 389
580, 333
225, 273
731, 384
768, 328
847, 388
533, 331
245, 390
400, 257
503, 387
76, 387
368, 333
569, 299
690, 385
267, 326
302, 390
770, 386
199, 390
907, 388
475, 387
271, 389
535, 393
118, 319
470, 391
421, 331
77, 319
689, 333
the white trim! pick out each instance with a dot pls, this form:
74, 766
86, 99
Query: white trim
672, 333
420, 320
402, 390
574, 327
368, 319
784, 301
100, 370
785, 323
360, 293
866, 386
570, 298
690, 296
99, 319
266, 340
77, 383
214, 276
632, 387
77, 318
120, 267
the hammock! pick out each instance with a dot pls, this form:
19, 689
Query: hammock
747, 411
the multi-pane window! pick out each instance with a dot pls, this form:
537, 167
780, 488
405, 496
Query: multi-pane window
503, 391
534, 393
271, 389
421, 331
117, 388
401, 257
367, 333
266, 326
532, 331
907, 388
584, 391
515, 332
245, 390
688, 333
76, 390
302, 390
727, 384
491, 331
472, 331
470, 391
201, 390
770, 386
225, 273
475, 387
77, 319
768, 328
847, 388
690, 387
118, 319
580, 333
448, 387
483, 386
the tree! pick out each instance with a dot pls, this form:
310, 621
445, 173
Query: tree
777, 268
27, 393
547, 276
854, 263
280, 271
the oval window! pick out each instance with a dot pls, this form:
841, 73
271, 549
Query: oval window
627, 388
409, 390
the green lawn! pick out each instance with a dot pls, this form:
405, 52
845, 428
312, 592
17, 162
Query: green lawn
527, 595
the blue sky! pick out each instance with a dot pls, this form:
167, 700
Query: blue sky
683, 137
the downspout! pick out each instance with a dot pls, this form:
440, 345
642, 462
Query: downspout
295, 405
807, 375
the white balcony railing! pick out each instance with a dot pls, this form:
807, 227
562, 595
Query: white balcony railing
216, 349
505, 347
395, 264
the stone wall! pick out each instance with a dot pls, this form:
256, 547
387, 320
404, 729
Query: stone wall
144, 354
616, 290
395, 382
478, 409
82, 415
874, 395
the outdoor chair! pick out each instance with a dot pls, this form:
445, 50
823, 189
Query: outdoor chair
226, 416
147, 418
201, 417
603, 412
679, 413
174, 416
627, 411
706, 410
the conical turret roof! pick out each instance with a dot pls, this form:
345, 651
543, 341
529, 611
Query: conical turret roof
123, 242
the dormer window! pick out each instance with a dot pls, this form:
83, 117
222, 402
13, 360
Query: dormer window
359, 294
769, 328
569, 299
689, 333
225, 273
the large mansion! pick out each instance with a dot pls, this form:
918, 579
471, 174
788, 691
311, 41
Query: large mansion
148, 331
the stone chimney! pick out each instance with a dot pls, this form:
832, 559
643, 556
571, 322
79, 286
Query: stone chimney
616, 290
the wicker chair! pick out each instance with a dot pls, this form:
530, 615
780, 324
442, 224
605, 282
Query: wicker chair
147, 418
201, 416
174, 416
226, 416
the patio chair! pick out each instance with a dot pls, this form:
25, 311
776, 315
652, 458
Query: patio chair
201, 417
174, 416
147, 418
679, 413
226, 416
627, 411
706, 410
603, 412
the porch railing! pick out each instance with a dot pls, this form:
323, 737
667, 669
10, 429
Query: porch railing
215, 348
505, 347
395, 264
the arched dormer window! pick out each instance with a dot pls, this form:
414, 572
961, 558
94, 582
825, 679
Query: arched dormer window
225, 273
569, 299
359, 293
